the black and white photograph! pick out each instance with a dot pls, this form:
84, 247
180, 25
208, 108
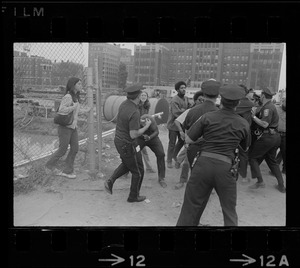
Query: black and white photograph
149, 134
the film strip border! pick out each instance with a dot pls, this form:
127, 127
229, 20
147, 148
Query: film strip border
148, 21
154, 247
36, 22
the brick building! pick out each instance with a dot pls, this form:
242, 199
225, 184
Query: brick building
151, 64
109, 58
128, 59
235, 63
180, 61
31, 70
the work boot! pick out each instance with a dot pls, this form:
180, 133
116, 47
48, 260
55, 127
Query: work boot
257, 185
108, 186
169, 165
162, 183
179, 185
281, 188
137, 199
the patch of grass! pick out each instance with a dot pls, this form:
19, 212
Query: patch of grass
36, 177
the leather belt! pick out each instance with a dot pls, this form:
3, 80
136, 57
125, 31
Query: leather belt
221, 157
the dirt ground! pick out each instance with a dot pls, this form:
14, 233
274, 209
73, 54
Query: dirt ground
84, 202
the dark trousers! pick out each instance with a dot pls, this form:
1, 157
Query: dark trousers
209, 173
131, 161
66, 136
243, 156
265, 148
173, 147
157, 148
281, 155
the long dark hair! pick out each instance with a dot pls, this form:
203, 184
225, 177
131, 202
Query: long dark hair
144, 107
70, 88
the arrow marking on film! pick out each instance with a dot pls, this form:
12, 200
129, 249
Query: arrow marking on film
247, 261
116, 261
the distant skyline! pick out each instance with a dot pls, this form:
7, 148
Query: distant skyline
78, 52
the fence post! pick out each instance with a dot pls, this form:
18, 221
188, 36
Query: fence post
91, 146
99, 113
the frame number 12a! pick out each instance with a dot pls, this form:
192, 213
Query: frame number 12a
269, 261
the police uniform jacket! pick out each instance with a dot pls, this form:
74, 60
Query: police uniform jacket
195, 112
269, 114
222, 132
176, 106
128, 119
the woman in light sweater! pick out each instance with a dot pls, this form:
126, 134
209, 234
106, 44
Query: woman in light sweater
68, 134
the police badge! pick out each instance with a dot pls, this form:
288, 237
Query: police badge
266, 112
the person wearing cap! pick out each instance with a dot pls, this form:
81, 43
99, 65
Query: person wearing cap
222, 132
178, 104
127, 130
267, 143
210, 91
244, 109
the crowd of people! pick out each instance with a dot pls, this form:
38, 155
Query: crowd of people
212, 143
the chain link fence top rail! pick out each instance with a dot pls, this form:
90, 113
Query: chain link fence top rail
41, 71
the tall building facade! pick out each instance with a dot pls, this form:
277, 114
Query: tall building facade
206, 62
128, 60
199, 61
151, 64
108, 59
181, 55
235, 63
252, 64
265, 65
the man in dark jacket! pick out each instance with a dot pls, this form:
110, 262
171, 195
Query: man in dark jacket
179, 103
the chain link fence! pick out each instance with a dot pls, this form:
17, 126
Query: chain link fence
41, 72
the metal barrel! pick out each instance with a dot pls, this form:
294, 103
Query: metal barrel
113, 102
111, 107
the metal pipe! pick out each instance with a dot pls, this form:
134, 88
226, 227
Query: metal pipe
99, 114
91, 145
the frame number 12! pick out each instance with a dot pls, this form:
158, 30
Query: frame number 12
139, 261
